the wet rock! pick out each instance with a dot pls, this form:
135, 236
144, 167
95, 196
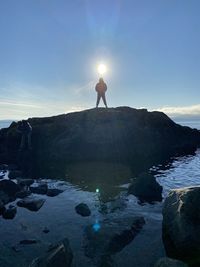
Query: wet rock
167, 262
28, 241
2, 176
10, 212
104, 239
25, 182
9, 187
14, 174
52, 192
3, 167
23, 194
41, 189
146, 188
30, 203
83, 210
46, 230
4, 197
181, 220
12, 167
2, 207
60, 255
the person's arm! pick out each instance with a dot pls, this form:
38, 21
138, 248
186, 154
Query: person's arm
105, 87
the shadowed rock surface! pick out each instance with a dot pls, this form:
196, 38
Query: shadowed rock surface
124, 135
167, 262
181, 225
146, 188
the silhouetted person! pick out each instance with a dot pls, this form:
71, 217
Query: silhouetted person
101, 89
25, 129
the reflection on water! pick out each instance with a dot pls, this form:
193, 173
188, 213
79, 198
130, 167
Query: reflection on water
103, 187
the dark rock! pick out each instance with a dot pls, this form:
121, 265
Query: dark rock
4, 197
23, 194
40, 189
28, 242
83, 210
146, 188
9, 187
2, 207
30, 203
181, 220
2, 176
52, 192
167, 262
14, 174
12, 167
131, 136
10, 212
59, 255
25, 182
3, 167
46, 230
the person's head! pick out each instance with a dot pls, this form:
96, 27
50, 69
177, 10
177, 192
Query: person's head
101, 80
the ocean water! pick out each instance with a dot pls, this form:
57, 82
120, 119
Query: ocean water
5, 123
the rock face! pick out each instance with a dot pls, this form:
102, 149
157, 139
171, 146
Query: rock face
146, 188
181, 225
83, 209
59, 255
122, 135
167, 262
31, 203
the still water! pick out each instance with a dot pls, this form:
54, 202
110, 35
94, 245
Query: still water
109, 204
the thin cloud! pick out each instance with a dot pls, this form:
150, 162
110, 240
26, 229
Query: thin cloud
7, 103
193, 110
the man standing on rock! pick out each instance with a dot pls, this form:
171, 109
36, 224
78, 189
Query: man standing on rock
101, 89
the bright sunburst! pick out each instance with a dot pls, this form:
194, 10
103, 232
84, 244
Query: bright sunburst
101, 69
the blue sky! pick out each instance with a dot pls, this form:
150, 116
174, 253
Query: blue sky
49, 51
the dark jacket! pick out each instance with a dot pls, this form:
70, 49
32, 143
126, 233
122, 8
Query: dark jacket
101, 87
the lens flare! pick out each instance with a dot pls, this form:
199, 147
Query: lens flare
101, 69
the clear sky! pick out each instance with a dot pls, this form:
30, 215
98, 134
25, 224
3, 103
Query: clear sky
49, 50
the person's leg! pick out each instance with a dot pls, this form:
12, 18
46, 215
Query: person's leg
104, 100
98, 99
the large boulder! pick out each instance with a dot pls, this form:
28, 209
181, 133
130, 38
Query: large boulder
181, 225
130, 136
9, 187
146, 188
10, 212
167, 262
59, 255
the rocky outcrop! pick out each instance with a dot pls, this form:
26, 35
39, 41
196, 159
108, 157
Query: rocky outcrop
146, 188
124, 135
181, 225
59, 255
31, 203
167, 262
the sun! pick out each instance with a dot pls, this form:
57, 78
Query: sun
101, 69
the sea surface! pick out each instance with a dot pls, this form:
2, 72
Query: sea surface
104, 189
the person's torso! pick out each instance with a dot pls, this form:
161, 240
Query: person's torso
101, 87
